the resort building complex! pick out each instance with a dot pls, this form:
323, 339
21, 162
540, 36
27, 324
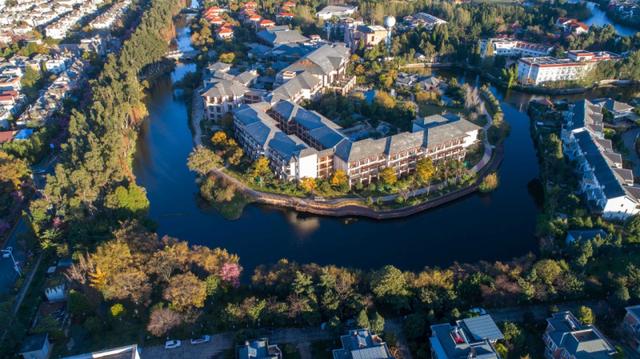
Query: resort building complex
301, 143
607, 186
538, 70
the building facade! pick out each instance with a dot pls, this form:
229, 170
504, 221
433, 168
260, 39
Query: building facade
538, 70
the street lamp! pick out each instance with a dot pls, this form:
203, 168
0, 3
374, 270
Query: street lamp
8, 253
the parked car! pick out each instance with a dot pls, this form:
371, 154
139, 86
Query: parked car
478, 311
201, 340
172, 344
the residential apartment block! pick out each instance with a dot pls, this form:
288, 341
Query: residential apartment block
468, 338
567, 338
538, 70
513, 48
361, 343
608, 188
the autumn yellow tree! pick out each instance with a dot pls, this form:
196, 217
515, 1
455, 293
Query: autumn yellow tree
308, 184
339, 179
185, 291
388, 176
425, 170
260, 168
219, 139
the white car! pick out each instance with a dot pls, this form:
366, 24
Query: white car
172, 344
202, 339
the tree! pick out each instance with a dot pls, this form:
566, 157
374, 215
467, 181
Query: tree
585, 315
388, 281
260, 168
163, 320
202, 160
340, 179
219, 139
116, 310
185, 291
308, 184
376, 323
132, 199
385, 100
227, 57
548, 270
362, 321
388, 176
489, 183
425, 170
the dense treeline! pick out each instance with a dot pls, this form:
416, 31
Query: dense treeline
95, 169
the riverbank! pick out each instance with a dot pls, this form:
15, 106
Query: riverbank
357, 207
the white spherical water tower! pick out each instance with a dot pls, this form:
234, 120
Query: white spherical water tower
389, 23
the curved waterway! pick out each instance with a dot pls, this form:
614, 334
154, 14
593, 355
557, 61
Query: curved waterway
497, 226
600, 18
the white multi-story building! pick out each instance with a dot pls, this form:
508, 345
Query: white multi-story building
513, 48
608, 187
538, 70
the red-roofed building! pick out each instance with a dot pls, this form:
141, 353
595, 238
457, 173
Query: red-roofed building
6, 136
224, 33
266, 23
214, 10
215, 20
572, 26
284, 16
250, 5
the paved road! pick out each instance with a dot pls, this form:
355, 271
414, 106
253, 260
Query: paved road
629, 138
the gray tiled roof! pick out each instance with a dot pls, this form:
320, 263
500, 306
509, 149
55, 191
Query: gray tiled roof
281, 36
581, 341
292, 88
223, 88
459, 342
483, 327
603, 172
322, 61
361, 344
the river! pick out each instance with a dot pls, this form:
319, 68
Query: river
496, 226
600, 18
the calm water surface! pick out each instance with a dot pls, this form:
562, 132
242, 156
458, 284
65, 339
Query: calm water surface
497, 226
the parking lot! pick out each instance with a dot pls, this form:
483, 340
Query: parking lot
218, 344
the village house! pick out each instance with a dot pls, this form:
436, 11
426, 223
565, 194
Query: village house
566, 337
259, 349
361, 343
468, 338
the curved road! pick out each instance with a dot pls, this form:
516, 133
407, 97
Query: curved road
629, 138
